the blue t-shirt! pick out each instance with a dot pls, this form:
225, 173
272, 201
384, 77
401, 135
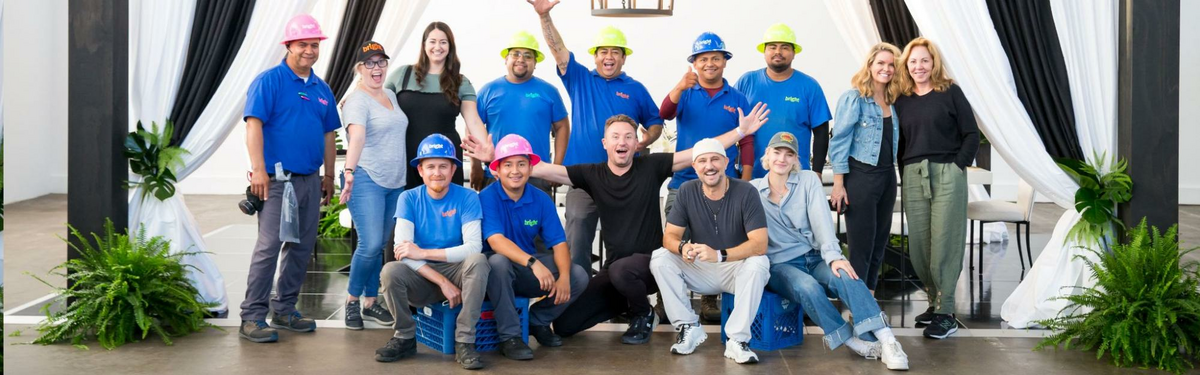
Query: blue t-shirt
593, 100
522, 221
528, 109
295, 115
797, 105
699, 116
437, 223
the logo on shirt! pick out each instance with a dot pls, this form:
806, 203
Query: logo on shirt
532, 95
303, 95
450, 213
730, 109
531, 223
622, 95
323, 101
792, 99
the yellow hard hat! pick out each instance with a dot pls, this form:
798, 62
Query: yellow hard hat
610, 37
523, 39
779, 33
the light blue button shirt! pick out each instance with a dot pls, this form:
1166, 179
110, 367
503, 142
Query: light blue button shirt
801, 221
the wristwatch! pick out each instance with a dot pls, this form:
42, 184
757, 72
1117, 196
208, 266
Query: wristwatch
722, 256
531, 262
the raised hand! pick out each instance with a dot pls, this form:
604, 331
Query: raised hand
543, 6
749, 123
478, 150
688, 81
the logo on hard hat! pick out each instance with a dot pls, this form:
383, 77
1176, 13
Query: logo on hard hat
506, 148
701, 43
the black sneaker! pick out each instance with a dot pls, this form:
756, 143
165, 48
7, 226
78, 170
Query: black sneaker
925, 317
396, 349
514, 348
466, 356
545, 336
640, 328
354, 319
258, 331
294, 322
942, 326
379, 314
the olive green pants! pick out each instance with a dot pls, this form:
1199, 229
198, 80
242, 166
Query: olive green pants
935, 203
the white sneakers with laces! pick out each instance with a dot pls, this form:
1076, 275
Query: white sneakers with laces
866, 349
690, 336
739, 352
894, 357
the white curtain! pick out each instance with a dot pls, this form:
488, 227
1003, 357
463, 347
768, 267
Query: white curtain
159, 32
395, 25
328, 14
856, 25
1, 125
171, 218
1087, 31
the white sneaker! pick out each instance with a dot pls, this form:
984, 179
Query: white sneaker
690, 336
868, 350
739, 352
894, 357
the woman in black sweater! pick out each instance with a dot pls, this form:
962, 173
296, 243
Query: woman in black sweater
938, 139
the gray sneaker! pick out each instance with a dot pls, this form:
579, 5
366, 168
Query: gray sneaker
294, 322
379, 314
466, 356
257, 331
354, 316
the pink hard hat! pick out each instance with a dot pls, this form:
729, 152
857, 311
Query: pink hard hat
302, 26
513, 145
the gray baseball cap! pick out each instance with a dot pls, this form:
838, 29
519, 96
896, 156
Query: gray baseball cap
784, 139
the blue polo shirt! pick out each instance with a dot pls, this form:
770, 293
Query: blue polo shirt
438, 223
528, 109
593, 100
522, 221
797, 105
700, 116
295, 116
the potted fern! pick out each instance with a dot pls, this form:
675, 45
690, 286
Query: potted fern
122, 289
1144, 310
152, 157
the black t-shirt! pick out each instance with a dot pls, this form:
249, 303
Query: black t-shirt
628, 204
884, 164
720, 224
938, 126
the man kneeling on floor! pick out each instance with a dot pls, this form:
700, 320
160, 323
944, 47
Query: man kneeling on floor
441, 260
514, 215
807, 265
725, 253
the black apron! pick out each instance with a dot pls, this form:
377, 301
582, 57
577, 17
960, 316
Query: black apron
428, 113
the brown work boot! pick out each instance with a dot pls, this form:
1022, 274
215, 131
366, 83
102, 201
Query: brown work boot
710, 309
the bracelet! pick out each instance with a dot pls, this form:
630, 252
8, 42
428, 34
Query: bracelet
681, 243
740, 132
722, 256
351, 170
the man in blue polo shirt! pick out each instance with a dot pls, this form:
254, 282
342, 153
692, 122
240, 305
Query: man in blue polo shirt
290, 118
706, 106
796, 100
596, 96
439, 248
514, 215
519, 103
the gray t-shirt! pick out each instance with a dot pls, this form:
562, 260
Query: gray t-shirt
719, 224
383, 156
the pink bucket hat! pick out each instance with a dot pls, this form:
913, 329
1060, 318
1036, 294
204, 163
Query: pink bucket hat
513, 145
302, 26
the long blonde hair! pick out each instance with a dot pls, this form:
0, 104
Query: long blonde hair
865, 83
937, 77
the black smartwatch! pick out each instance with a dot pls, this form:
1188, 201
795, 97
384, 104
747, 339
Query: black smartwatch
529, 264
723, 256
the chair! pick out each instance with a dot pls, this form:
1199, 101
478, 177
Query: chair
991, 211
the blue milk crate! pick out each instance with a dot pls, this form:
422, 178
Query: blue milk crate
436, 324
778, 324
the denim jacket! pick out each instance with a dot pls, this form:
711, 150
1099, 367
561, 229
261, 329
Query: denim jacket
857, 131
801, 222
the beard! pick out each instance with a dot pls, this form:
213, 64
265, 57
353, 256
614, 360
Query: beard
779, 67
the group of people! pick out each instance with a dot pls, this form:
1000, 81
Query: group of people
743, 216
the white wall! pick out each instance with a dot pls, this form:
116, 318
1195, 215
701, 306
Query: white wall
1189, 95
35, 100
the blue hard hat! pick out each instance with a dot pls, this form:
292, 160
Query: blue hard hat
435, 146
708, 42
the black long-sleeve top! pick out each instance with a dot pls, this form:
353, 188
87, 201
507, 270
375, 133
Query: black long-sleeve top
938, 126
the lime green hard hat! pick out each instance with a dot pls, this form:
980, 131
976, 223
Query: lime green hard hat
778, 33
610, 37
523, 39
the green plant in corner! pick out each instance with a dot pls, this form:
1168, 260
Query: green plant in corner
122, 289
152, 157
329, 226
1144, 310
1103, 184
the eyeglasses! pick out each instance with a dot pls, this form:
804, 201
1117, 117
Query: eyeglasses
371, 64
522, 55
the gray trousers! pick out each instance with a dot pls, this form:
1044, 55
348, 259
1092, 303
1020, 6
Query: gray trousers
582, 217
746, 279
269, 248
508, 280
404, 287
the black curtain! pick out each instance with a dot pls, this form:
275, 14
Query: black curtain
1026, 30
358, 25
218, 29
895, 23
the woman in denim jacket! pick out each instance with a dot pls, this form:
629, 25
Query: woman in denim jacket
863, 155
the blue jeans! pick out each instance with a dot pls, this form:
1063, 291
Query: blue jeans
373, 209
808, 280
